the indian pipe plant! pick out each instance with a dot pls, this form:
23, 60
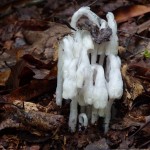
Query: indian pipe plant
91, 85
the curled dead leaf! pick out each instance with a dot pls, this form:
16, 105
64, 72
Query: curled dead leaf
125, 13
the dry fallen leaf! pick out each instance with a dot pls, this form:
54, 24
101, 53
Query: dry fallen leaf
140, 69
31, 90
8, 44
4, 77
133, 86
125, 13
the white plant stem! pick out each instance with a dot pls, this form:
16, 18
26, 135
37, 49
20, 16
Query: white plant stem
88, 111
108, 115
59, 89
94, 115
101, 112
73, 114
101, 60
82, 109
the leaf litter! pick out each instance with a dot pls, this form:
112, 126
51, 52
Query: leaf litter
29, 117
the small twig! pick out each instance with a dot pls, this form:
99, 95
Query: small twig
92, 3
147, 122
62, 21
3, 50
144, 144
7, 65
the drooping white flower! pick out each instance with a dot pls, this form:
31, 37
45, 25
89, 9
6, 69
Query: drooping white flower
88, 87
100, 94
114, 78
114, 84
112, 45
73, 114
77, 45
69, 83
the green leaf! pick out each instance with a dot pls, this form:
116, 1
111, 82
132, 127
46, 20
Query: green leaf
147, 54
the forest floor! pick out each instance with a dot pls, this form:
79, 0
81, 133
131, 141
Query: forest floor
29, 36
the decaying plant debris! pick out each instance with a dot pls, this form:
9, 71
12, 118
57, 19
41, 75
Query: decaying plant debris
29, 35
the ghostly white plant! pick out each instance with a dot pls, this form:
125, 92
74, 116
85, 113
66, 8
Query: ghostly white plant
83, 81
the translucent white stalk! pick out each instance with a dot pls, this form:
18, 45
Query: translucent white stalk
59, 88
77, 45
94, 54
108, 115
82, 109
89, 111
68, 47
94, 115
73, 114
67, 44
101, 60
101, 112
101, 51
114, 84
88, 87
83, 68
80, 98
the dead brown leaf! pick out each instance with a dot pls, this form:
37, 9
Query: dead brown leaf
33, 24
44, 42
125, 13
133, 87
31, 90
101, 144
38, 63
4, 77
140, 69
8, 44
13, 81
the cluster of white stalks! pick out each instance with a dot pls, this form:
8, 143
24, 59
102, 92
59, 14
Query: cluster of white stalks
89, 84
